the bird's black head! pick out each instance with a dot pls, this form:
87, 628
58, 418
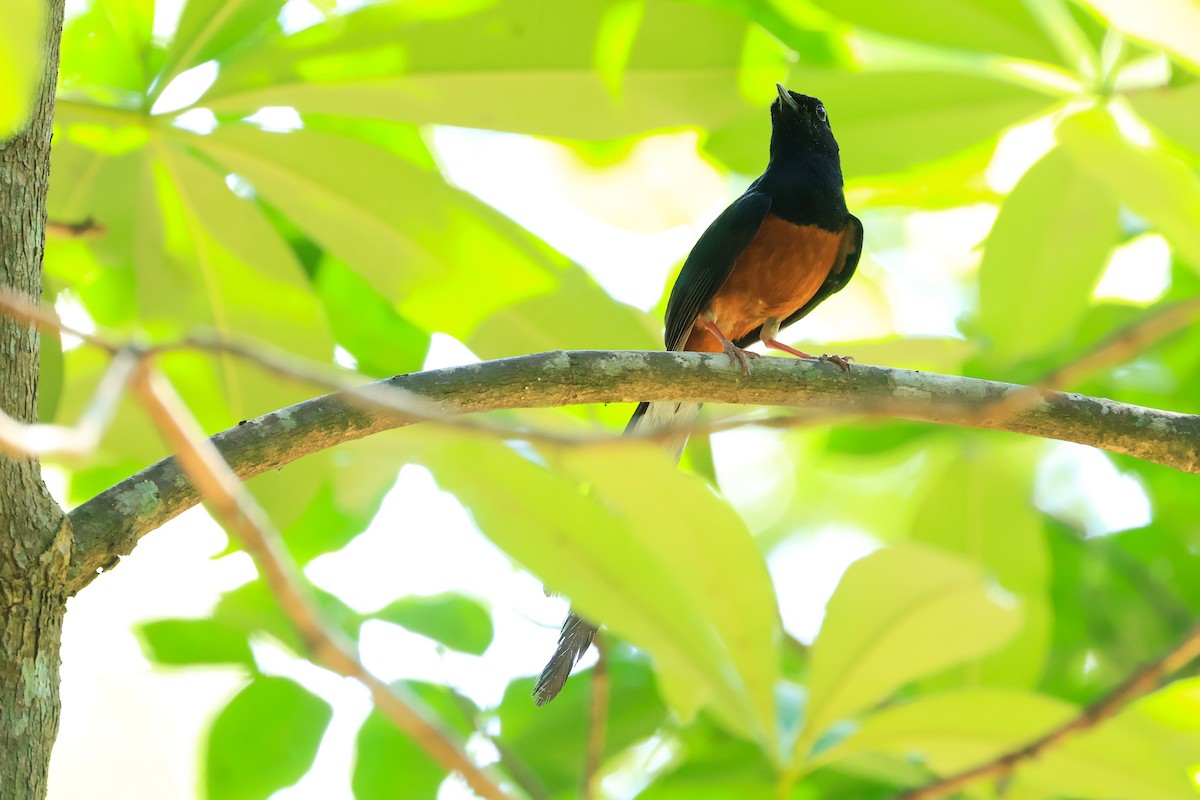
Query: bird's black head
799, 124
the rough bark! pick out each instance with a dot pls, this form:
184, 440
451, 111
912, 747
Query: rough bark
109, 525
35, 540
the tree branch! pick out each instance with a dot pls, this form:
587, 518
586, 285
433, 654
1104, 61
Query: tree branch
243, 518
1143, 681
109, 525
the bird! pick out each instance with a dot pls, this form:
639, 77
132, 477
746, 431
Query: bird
776, 253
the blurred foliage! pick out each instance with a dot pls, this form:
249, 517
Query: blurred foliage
992, 610
21, 60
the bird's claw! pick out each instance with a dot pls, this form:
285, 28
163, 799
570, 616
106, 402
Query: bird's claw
740, 356
843, 362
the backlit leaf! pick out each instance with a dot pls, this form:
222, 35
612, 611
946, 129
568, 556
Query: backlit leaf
1044, 256
899, 614
998, 26
21, 60
195, 641
1155, 185
495, 68
981, 507
387, 762
458, 622
698, 599
958, 730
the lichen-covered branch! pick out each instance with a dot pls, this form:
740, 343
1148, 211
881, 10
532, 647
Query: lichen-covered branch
110, 524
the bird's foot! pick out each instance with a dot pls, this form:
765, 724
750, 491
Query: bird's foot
739, 356
842, 362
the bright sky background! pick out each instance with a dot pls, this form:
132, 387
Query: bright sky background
126, 725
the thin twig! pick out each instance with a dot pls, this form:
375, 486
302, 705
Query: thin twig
1116, 348
597, 720
80, 440
19, 307
87, 228
1143, 681
1126, 343
240, 514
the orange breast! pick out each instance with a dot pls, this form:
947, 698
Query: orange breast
779, 272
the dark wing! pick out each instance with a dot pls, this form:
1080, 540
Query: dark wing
839, 276
710, 262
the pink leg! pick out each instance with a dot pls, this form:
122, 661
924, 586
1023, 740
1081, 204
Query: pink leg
737, 354
770, 330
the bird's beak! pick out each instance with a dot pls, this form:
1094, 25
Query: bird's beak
786, 97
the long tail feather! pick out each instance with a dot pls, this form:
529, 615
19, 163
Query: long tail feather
574, 640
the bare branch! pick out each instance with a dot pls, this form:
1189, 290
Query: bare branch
109, 525
19, 307
1141, 682
1126, 343
1116, 348
20, 438
237, 511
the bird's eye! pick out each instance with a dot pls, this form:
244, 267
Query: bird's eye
821, 113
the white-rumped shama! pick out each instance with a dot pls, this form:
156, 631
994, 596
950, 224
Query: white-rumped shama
769, 259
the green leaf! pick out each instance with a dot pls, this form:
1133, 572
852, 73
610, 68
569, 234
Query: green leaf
712, 765
1172, 716
107, 54
195, 641
1173, 25
498, 67
993, 26
888, 121
443, 256
1158, 187
456, 621
386, 761
253, 608
576, 316
958, 730
21, 62
451, 263
117, 192
899, 614
981, 507
264, 740
1044, 256
614, 41
689, 586
551, 742
222, 259
354, 486
713, 555
383, 342
209, 29
1174, 110
1111, 611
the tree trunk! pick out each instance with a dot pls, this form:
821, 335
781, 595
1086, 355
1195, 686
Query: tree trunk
35, 540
